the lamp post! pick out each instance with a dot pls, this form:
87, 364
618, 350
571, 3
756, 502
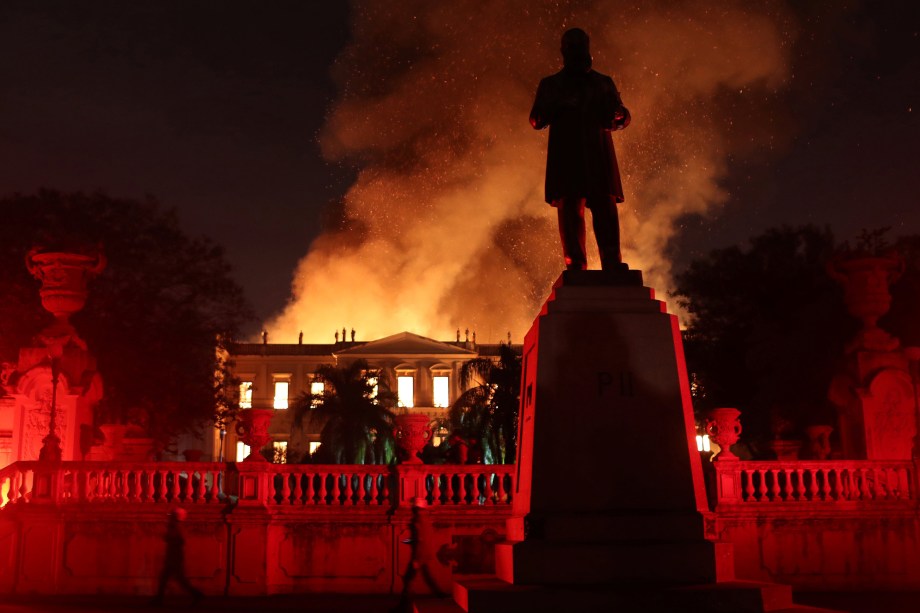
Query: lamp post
51, 444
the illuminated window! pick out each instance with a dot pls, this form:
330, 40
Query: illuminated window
405, 390
702, 443
316, 389
279, 448
281, 394
314, 445
441, 391
242, 451
246, 395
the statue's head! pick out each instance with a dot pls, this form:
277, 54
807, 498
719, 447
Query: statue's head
576, 49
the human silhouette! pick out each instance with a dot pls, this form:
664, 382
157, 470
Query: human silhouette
582, 107
417, 562
174, 564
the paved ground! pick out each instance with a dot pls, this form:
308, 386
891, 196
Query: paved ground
855, 602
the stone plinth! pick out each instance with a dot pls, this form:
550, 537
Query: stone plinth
609, 473
610, 506
875, 400
79, 389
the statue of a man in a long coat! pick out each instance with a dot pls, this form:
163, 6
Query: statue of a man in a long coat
582, 107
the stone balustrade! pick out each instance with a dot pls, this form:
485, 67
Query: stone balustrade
800, 482
281, 485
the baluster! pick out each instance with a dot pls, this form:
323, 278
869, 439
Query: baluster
831, 483
799, 484
776, 490
789, 487
761, 484
747, 487
85, 491
322, 488
161, 489
133, 485
487, 488
109, 485
904, 484
350, 489
16, 489
374, 492
149, 491
384, 489
297, 492
308, 494
100, 485
364, 488
346, 488
176, 484
813, 485
201, 490
868, 482
437, 489
337, 489
495, 487
464, 490
449, 491
286, 488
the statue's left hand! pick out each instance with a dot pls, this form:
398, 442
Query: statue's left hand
621, 118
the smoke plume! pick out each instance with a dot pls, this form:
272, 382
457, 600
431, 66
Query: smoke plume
446, 226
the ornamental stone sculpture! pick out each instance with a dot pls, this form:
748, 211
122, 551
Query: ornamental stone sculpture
866, 280
412, 433
64, 278
252, 428
724, 427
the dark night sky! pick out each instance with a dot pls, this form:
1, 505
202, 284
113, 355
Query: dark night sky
214, 108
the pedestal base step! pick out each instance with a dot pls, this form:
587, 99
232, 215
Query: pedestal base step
627, 564
492, 595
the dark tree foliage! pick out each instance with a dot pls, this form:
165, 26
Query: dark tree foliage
488, 409
155, 318
769, 325
355, 409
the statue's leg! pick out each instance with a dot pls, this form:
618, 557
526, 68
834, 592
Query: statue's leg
606, 224
571, 213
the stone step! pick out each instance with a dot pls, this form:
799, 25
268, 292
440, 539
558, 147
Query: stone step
492, 595
627, 564
734, 596
436, 605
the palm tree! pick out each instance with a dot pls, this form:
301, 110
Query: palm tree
488, 411
354, 409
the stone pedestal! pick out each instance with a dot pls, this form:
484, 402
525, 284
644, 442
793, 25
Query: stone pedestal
610, 505
874, 397
79, 389
607, 456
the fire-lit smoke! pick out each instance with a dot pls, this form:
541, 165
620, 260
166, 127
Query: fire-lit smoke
446, 226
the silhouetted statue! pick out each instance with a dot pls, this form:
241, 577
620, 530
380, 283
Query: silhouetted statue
174, 564
581, 107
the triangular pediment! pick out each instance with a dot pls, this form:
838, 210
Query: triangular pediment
406, 343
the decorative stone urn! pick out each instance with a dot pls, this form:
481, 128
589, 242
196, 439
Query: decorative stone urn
64, 278
412, 433
724, 427
252, 428
865, 280
819, 442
